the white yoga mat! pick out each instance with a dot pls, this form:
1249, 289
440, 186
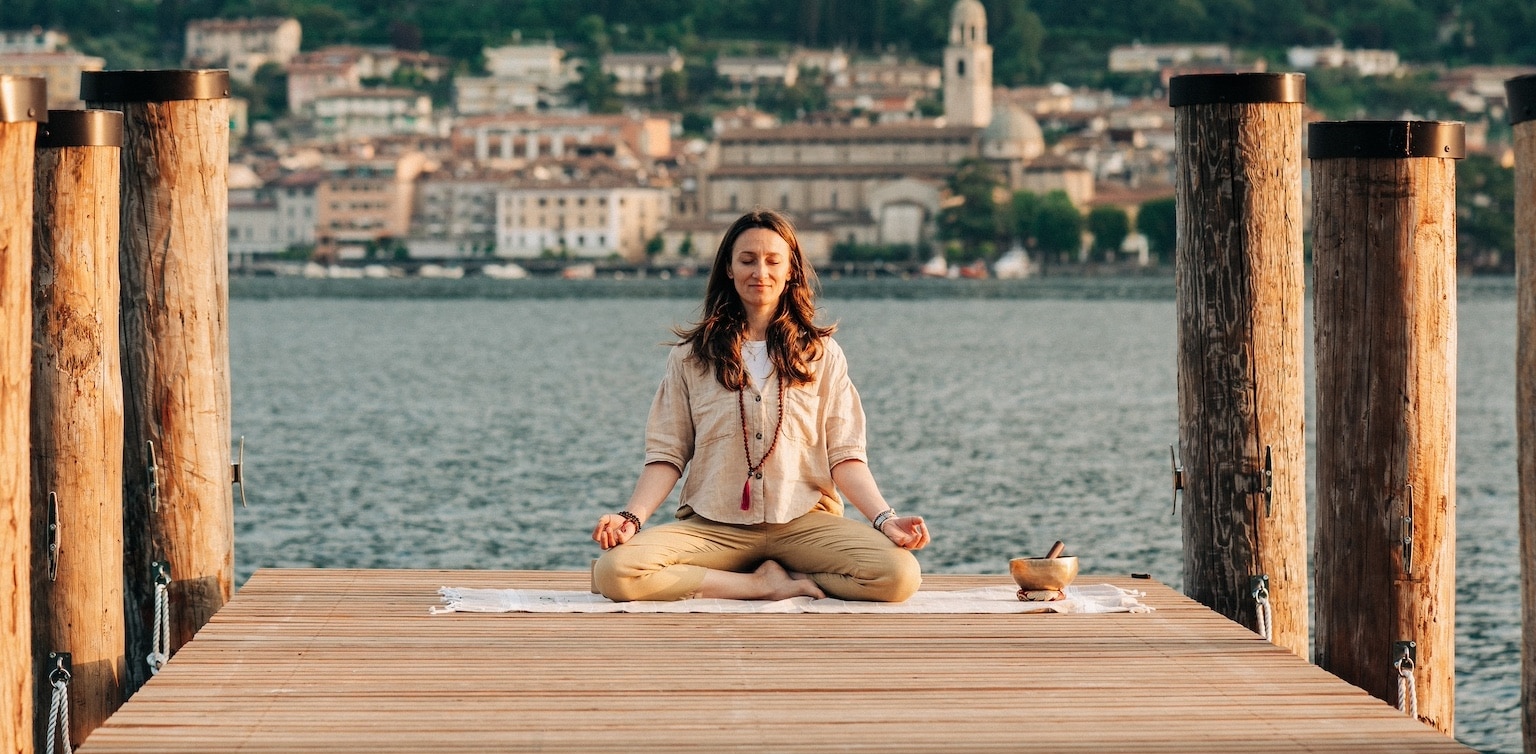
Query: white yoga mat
1097, 598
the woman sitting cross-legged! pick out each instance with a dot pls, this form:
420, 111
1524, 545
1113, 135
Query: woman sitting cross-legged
757, 406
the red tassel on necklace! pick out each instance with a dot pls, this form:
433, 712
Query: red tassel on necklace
746, 494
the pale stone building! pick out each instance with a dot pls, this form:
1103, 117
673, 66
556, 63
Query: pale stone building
597, 219
522, 78
1140, 58
513, 138
242, 45
368, 113
35, 39
639, 73
59, 69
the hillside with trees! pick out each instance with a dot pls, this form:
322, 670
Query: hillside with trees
1035, 40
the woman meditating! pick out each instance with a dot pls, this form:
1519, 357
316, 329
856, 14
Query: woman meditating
757, 407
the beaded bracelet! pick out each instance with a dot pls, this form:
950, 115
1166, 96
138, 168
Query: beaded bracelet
632, 518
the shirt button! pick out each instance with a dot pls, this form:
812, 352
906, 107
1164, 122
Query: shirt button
759, 435
759, 399
759, 475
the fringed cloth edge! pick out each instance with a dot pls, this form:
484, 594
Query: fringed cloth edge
1096, 598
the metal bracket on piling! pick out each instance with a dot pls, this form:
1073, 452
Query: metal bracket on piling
1405, 654
238, 470
60, 667
152, 472
53, 537
1178, 477
1406, 533
1258, 586
161, 571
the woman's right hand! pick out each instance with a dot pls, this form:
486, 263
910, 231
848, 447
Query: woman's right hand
612, 530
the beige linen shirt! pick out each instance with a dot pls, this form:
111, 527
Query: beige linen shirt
695, 425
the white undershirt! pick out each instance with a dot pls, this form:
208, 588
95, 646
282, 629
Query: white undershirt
754, 356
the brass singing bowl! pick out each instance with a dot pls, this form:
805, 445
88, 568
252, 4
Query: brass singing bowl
1039, 574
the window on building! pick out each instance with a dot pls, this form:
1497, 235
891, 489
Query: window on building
833, 200
960, 68
733, 202
784, 201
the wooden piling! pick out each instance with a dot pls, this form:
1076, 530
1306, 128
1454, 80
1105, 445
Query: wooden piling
1522, 116
77, 414
1239, 274
23, 102
1384, 247
175, 344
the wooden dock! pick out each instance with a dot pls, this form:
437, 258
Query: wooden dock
351, 661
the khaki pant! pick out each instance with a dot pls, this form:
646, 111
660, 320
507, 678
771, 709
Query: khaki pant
847, 559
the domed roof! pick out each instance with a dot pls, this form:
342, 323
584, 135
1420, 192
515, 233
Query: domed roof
1012, 134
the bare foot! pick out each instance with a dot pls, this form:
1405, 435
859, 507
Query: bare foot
780, 584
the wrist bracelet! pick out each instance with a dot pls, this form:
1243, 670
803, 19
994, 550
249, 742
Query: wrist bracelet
632, 518
884, 516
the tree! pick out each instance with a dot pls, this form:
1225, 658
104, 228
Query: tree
1109, 226
1485, 210
1016, 42
1025, 210
1158, 221
1058, 224
595, 89
974, 217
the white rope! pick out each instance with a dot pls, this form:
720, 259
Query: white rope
58, 711
162, 630
1407, 689
1265, 616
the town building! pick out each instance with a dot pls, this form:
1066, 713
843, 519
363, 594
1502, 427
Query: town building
350, 68
639, 73
513, 138
878, 184
598, 218
296, 197
522, 78
1362, 61
746, 74
35, 39
60, 69
368, 113
455, 213
241, 45
1140, 58
363, 202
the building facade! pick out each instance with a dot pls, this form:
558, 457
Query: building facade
595, 219
242, 45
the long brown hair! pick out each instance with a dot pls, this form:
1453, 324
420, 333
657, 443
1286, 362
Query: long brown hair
794, 338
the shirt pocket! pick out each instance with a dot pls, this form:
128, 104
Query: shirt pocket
802, 416
716, 417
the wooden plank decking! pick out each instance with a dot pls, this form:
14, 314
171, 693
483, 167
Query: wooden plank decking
343, 661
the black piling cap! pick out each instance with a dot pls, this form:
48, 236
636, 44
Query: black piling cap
153, 86
1390, 139
1521, 91
1230, 88
23, 98
81, 128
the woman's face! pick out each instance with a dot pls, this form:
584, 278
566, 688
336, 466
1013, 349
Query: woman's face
760, 267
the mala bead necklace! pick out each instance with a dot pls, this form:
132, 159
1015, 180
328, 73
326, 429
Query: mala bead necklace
756, 468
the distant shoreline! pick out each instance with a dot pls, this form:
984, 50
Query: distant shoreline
1076, 287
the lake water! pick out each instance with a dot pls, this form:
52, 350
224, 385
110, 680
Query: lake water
491, 433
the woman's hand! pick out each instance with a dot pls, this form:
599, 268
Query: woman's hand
613, 530
908, 532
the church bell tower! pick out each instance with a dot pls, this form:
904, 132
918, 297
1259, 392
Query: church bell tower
968, 67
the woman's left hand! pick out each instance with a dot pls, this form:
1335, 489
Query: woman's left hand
908, 532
